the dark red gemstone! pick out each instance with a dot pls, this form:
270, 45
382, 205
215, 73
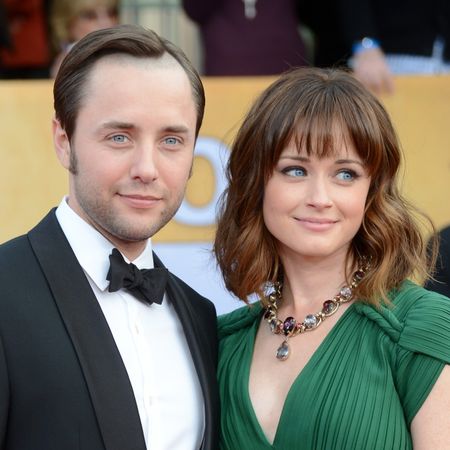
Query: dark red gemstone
289, 325
359, 275
267, 314
329, 306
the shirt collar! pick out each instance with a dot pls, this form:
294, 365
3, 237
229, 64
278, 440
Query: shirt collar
91, 248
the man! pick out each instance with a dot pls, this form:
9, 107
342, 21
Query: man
87, 361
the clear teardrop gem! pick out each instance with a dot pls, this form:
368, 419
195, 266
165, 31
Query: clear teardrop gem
283, 351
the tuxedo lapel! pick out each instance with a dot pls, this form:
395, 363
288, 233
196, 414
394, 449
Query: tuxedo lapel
105, 374
204, 365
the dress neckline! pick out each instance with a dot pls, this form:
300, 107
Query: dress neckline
322, 348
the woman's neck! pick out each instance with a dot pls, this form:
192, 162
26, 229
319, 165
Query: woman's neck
308, 282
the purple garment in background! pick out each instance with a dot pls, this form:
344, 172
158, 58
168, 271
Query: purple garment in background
235, 45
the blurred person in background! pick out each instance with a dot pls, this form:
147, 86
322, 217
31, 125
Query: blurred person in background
327, 41
380, 38
25, 49
248, 37
71, 20
5, 40
441, 281
396, 37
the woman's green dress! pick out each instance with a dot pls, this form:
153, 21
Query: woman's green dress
360, 389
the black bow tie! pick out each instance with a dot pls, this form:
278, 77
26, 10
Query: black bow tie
148, 285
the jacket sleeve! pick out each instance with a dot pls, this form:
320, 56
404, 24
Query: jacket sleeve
441, 281
357, 20
4, 396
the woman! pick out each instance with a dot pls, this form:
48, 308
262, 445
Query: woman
71, 20
344, 353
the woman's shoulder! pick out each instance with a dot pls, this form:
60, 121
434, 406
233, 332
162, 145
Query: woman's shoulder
417, 319
238, 319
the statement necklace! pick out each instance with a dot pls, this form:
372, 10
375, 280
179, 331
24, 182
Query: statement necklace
290, 327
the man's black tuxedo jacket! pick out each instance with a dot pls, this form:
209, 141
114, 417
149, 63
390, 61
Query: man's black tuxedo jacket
63, 385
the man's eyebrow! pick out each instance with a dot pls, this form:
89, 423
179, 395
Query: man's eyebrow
176, 129
115, 124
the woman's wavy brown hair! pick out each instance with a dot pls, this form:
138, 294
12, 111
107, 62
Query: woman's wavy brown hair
309, 105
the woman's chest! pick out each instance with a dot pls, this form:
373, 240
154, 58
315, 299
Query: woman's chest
342, 396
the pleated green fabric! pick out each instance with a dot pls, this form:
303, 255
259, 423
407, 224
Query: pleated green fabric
361, 388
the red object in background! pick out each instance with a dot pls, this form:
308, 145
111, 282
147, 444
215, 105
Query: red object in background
28, 35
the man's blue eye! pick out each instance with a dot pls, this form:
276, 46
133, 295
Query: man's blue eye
119, 138
172, 141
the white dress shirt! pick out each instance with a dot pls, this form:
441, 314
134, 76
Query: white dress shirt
150, 340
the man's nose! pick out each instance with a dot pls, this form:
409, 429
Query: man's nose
145, 164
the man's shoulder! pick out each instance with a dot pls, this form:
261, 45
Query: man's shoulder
16, 262
16, 247
18, 251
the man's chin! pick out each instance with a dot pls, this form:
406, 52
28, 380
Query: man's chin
138, 234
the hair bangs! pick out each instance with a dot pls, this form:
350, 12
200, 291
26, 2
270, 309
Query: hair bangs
320, 135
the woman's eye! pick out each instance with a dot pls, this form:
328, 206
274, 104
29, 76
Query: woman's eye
346, 175
294, 171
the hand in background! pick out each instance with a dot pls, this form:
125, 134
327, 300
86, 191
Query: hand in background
371, 69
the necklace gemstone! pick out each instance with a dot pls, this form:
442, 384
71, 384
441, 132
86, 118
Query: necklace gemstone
283, 351
289, 325
310, 321
276, 326
329, 306
359, 275
268, 314
346, 292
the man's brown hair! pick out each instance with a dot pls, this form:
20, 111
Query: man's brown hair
132, 40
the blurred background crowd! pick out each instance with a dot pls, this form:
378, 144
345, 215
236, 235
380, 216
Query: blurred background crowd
376, 38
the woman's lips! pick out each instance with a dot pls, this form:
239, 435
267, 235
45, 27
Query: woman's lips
315, 224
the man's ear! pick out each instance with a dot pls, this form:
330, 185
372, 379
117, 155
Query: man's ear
61, 143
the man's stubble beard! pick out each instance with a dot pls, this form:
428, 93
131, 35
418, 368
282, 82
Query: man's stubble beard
101, 215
